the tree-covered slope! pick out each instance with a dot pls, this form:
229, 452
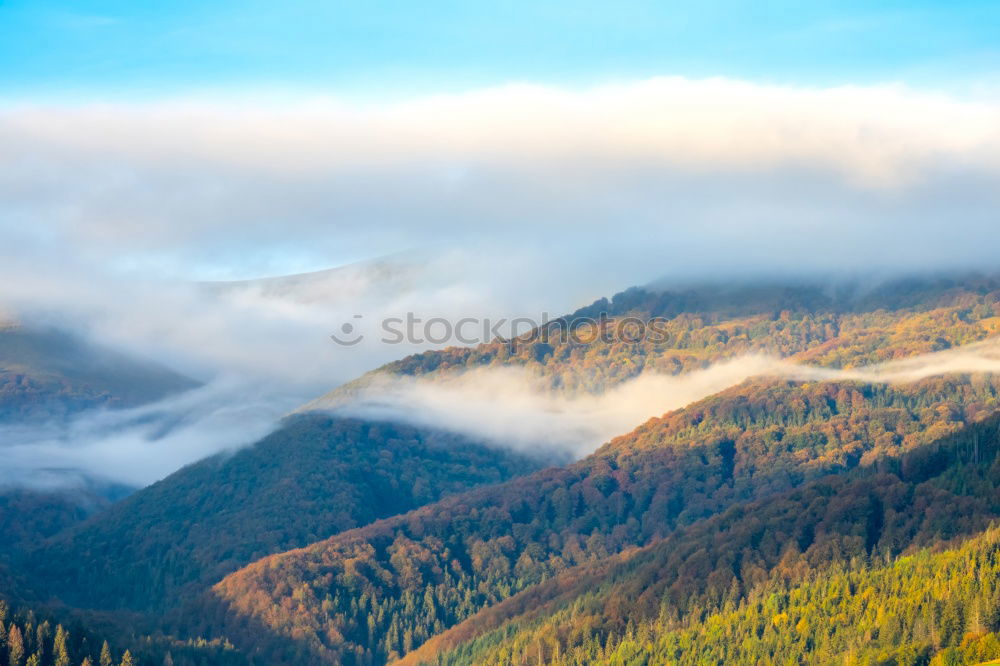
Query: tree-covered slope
841, 327
315, 476
370, 594
29, 516
663, 603
49, 374
376, 593
936, 608
29, 637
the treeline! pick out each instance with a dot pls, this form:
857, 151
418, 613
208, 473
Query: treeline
374, 594
28, 638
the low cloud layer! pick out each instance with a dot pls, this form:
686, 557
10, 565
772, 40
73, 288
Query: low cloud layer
504, 406
518, 200
512, 407
138, 446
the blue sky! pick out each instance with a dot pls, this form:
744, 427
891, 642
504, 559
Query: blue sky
398, 48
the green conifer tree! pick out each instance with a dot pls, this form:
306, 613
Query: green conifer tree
60, 648
106, 659
15, 646
42, 639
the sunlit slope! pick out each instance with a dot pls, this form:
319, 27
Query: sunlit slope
378, 592
807, 575
839, 328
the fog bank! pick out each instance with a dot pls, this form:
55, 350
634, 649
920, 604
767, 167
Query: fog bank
513, 407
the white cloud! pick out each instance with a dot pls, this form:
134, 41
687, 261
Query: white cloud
876, 134
505, 406
527, 199
720, 167
543, 198
140, 445
513, 407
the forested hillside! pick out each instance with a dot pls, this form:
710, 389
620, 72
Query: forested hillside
940, 607
840, 328
314, 477
50, 374
374, 594
662, 604
340, 540
28, 638
28, 516
518, 333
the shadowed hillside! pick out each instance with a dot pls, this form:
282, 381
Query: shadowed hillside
315, 476
51, 374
